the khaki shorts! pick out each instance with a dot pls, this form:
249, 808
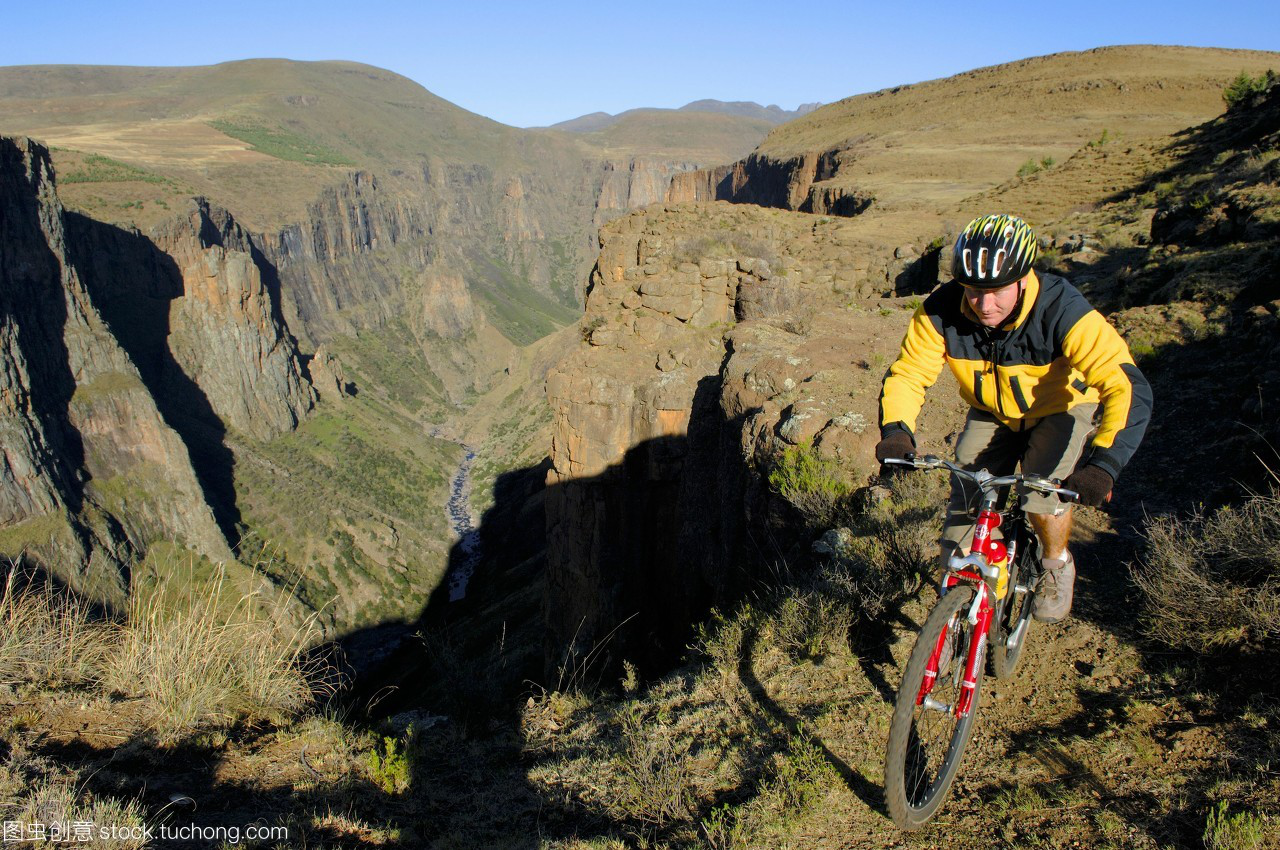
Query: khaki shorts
1051, 447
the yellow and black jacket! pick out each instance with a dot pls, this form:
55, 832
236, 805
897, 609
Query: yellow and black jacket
1057, 352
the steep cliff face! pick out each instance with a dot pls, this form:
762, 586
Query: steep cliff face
635, 183
92, 471
225, 331
794, 183
714, 335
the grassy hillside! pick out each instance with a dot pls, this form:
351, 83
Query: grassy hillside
234, 130
940, 141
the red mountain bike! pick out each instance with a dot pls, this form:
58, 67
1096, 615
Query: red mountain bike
986, 598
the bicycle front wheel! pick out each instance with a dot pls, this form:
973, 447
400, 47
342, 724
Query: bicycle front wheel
926, 742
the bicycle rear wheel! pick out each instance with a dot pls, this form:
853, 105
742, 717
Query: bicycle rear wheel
926, 744
1014, 623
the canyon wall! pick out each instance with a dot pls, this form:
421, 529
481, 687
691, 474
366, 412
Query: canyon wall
715, 335
92, 471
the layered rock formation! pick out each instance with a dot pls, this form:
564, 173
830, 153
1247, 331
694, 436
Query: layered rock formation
635, 183
796, 183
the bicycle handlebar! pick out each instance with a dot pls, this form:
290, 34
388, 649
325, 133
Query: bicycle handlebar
985, 480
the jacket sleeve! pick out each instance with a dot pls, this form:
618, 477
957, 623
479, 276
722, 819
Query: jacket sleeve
917, 367
1097, 350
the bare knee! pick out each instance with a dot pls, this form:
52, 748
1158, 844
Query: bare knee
1054, 531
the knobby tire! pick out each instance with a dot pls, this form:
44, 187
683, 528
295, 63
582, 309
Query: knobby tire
925, 745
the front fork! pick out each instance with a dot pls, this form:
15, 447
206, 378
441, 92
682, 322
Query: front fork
979, 615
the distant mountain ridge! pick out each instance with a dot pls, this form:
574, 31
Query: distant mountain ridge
772, 113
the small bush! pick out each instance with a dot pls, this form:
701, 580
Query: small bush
814, 485
1028, 168
1104, 139
1244, 87
655, 784
1213, 582
391, 764
201, 666
590, 326
810, 623
1240, 831
798, 782
893, 547
59, 805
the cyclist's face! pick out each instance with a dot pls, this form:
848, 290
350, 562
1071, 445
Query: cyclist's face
993, 306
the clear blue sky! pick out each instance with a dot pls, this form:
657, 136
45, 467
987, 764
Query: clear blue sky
532, 63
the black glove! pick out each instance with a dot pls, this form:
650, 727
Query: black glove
896, 445
1093, 483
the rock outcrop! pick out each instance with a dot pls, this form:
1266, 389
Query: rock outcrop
793, 183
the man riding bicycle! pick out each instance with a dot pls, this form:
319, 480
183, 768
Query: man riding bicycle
1034, 361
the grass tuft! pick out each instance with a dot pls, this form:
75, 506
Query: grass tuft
201, 665
48, 636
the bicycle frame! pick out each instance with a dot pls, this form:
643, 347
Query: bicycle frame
977, 568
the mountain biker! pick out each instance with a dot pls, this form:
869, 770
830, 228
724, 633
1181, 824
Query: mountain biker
1035, 362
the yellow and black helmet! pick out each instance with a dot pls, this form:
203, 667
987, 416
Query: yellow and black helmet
993, 251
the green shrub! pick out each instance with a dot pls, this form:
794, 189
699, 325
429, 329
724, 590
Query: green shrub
590, 326
391, 764
655, 777
1104, 139
1028, 168
810, 623
814, 485
1244, 87
1240, 831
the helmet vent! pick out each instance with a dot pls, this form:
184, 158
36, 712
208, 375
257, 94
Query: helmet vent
1008, 231
967, 259
998, 264
982, 263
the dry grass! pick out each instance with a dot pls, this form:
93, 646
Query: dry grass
1212, 583
199, 665
47, 636
196, 662
58, 804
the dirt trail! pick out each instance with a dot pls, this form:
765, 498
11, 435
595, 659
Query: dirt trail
1091, 744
